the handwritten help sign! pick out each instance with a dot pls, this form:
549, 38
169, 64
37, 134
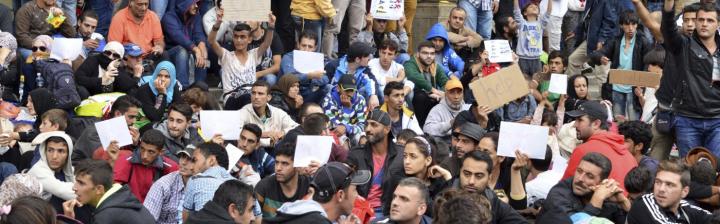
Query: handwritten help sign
246, 10
501, 87
387, 9
499, 51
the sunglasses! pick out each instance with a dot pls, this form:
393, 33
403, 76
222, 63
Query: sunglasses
112, 55
35, 49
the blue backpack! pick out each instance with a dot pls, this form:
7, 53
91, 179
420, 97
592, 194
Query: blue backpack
60, 80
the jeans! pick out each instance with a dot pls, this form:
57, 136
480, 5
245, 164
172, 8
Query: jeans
104, 10
6, 170
529, 67
355, 10
69, 7
569, 23
312, 95
180, 57
402, 58
693, 132
307, 25
477, 19
159, 7
624, 104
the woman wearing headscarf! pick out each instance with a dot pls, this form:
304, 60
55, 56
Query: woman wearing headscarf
41, 48
157, 94
286, 96
100, 73
577, 93
8, 70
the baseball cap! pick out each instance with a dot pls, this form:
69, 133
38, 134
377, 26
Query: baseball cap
471, 130
594, 109
453, 83
347, 82
335, 176
188, 151
380, 116
133, 50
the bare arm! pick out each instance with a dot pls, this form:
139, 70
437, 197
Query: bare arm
645, 17
268, 36
212, 39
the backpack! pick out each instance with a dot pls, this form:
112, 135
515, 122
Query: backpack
60, 80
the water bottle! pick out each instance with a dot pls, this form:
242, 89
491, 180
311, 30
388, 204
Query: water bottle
22, 85
40, 81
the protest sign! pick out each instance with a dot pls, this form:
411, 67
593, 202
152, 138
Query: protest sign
246, 10
634, 78
499, 51
387, 9
501, 87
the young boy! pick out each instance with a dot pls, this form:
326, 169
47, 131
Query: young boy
530, 32
52, 120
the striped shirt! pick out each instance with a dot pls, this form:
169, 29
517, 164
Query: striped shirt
164, 198
646, 210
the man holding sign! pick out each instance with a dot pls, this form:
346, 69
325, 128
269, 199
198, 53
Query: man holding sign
314, 84
378, 28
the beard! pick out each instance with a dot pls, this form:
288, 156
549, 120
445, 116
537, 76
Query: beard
375, 138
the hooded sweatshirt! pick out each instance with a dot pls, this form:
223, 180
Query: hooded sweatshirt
211, 213
173, 145
439, 120
610, 145
41, 170
353, 118
452, 63
119, 205
182, 29
299, 212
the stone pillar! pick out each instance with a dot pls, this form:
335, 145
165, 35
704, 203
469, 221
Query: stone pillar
428, 13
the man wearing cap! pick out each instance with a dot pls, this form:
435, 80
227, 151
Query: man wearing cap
163, 199
334, 189
134, 62
380, 156
101, 73
441, 117
346, 108
592, 128
356, 63
466, 140
143, 166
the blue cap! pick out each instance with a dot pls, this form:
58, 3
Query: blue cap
133, 50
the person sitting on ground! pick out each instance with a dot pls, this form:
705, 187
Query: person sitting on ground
177, 130
458, 206
159, 92
273, 121
314, 85
182, 23
440, 118
410, 202
429, 79
637, 140
402, 117
451, 64
465, 139
136, 24
286, 96
210, 167
376, 33
386, 69
165, 195
89, 142
346, 108
418, 162
233, 202
355, 63
286, 185
55, 170
638, 182
462, 38
100, 73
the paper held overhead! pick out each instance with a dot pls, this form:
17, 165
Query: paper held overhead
387, 9
246, 10
499, 51
558, 84
635, 78
306, 62
500, 88
115, 129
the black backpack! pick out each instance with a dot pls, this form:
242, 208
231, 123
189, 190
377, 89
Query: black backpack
60, 80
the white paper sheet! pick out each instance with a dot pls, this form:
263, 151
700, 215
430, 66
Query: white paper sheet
499, 51
558, 84
529, 139
66, 48
234, 155
246, 10
312, 147
387, 9
113, 129
225, 122
306, 62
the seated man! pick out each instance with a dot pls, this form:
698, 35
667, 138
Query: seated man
163, 199
355, 63
92, 41
233, 202
440, 119
589, 191
260, 161
376, 33
273, 121
54, 170
402, 117
637, 140
114, 203
210, 161
409, 202
286, 185
462, 38
429, 79
346, 108
451, 63
466, 138
386, 69
142, 167
313, 85
102, 73
136, 24
177, 130
185, 35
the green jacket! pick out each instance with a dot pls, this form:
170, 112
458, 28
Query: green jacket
413, 73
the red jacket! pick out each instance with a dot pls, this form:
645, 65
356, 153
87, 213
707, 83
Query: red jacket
130, 170
612, 146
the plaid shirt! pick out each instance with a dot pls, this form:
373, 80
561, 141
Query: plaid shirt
484, 5
164, 198
201, 187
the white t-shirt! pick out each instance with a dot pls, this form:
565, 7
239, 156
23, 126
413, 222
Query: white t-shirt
559, 7
235, 73
381, 74
576, 5
650, 104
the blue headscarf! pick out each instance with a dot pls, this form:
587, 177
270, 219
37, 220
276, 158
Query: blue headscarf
170, 68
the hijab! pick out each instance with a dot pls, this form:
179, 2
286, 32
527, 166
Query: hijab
170, 68
285, 83
7, 40
45, 40
19, 185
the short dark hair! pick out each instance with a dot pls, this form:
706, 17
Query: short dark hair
123, 103
56, 139
425, 44
656, 57
549, 117
703, 172
213, 149
628, 17
501, 23
182, 108
99, 171
406, 134
394, 85
389, 44
464, 210
557, 54
676, 167
709, 7
638, 180
310, 35
154, 137
235, 192
601, 161
261, 83
287, 149
56, 116
543, 164
482, 216
691, 8
88, 14
419, 185
29, 210
481, 156
639, 132
494, 136
315, 123
195, 96
253, 128
358, 50
242, 27
304, 109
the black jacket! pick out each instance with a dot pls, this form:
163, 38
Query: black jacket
691, 65
561, 203
306, 218
494, 119
122, 207
87, 76
612, 50
646, 210
212, 212
148, 99
502, 213
393, 171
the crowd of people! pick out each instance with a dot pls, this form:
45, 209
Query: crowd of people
410, 142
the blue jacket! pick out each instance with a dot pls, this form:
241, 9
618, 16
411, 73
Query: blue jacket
451, 62
180, 28
366, 83
602, 24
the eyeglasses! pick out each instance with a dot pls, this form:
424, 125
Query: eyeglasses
35, 49
111, 55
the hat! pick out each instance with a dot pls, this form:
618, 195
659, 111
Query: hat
453, 83
335, 176
700, 153
347, 81
188, 151
380, 116
471, 130
592, 108
115, 47
133, 50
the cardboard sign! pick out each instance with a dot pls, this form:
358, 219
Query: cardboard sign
634, 78
501, 87
246, 10
387, 9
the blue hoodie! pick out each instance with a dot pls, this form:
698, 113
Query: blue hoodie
364, 79
451, 62
180, 28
